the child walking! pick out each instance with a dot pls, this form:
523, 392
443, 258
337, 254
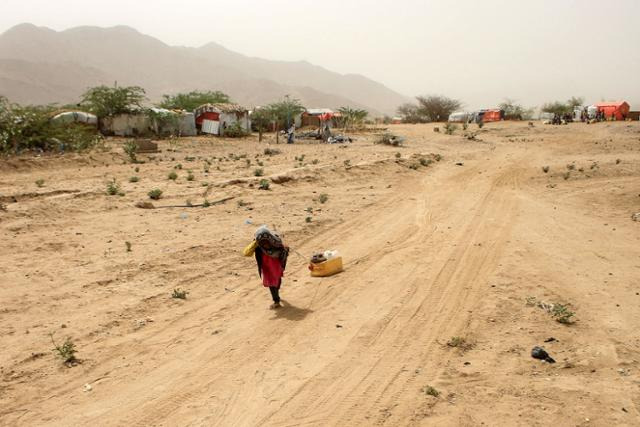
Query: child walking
271, 256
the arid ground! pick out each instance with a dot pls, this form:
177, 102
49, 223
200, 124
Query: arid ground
476, 247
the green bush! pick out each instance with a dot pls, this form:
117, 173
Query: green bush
235, 131
26, 128
155, 194
264, 184
172, 176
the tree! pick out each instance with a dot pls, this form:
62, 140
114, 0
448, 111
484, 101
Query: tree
104, 101
261, 119
192, 100
285, 111
574, 102
514, 111
561, 108
352, 116
410, 113
437, 108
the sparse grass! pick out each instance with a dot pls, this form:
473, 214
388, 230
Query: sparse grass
398, 155
172, 176
155, 194
67, 351
178, 166
113, 188
130, 148
134, 179
480, 125
465, 126
545, 169
137, 169
308, 219
437, 157
323, 198
562, 314
388, 138
128, 246
206, 204
258, 172
431, 391
190, 176
571, 166
188, 203
260, 163
309, 210
315, 161
450, 128
425, 162
40, 183
460, 343
264, 184
566, 175
413, 166
271, 151
179, 294
242, 204
347, 163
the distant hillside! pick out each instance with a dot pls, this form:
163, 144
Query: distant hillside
39, 65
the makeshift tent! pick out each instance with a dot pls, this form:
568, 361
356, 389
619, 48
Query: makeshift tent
170, 122
76, 117
215, 118
459, 117
492, 116
317, 116
618, 110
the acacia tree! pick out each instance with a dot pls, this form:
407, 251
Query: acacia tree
192, 100
410, 113
561, 108
437, 108
283, 112
104, 101
514, 111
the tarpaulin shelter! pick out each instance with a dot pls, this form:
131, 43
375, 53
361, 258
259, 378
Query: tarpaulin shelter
492, 116
215, 118
76, 117
459, 117
316, 116
618, 110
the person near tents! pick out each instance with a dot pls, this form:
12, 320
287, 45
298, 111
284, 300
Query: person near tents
271, 256
291, 134
326, 132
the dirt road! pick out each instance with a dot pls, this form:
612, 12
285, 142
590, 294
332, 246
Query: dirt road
450, 250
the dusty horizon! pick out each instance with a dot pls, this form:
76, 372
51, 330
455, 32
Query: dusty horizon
479, 54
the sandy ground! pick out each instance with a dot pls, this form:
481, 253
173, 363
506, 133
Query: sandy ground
431, 253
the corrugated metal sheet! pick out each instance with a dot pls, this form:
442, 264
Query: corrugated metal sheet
211, 127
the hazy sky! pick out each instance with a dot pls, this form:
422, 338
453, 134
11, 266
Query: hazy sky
477, 51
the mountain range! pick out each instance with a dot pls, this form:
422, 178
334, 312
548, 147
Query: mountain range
40, 66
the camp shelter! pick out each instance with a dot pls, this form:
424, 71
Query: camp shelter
492, 116
76, 117
215, 118
316, 116
618, 110
172, 122
459, 117
126, 125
